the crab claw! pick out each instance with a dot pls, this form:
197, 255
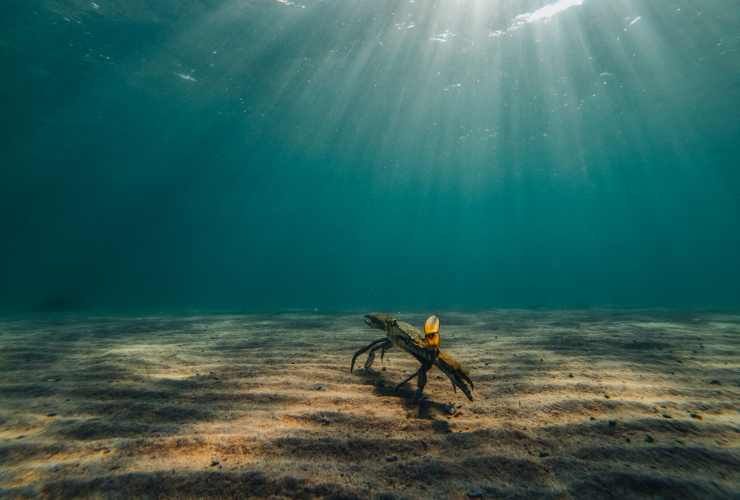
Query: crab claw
456, 373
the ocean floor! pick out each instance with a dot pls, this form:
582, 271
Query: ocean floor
569, 404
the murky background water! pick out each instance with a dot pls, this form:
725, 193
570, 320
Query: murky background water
274, 154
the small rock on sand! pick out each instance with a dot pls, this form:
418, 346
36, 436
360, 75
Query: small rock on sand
649, 439
475, 493
696, 416
214, 463
391, 458
715, 382
318, 387
387, 496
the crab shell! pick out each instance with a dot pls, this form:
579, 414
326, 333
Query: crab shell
408, 338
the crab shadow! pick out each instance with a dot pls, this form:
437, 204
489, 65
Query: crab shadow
425, 408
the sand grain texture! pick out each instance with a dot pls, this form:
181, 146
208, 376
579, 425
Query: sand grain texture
569, 404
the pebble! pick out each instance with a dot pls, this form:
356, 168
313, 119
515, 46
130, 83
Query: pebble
214, 463
649, 439
544, 454
697, 416
715, 382
475, 493
665, 415
612, 423
318, 387
391, 458
51, 414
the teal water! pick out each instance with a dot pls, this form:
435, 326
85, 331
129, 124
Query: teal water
342, 154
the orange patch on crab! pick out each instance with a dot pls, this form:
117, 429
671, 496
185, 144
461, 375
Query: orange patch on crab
432, 340
431, 325
431, 331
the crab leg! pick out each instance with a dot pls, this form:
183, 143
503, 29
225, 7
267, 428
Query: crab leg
417, 372
421, 381
365, 349
371, 354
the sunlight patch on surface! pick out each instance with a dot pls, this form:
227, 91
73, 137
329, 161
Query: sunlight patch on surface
186, 77
288, 3
547, 12
443, 37
544, 13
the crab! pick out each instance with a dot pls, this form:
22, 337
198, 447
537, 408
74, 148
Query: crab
425, 348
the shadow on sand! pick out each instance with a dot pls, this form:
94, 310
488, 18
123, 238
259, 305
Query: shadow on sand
228, 407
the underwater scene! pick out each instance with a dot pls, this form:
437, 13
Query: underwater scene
370, 249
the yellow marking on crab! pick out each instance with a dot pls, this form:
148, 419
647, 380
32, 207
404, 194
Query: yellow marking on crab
431, 331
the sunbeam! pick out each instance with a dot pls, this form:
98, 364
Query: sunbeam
538, 136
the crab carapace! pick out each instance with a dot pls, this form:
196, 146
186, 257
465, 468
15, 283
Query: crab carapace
425, 348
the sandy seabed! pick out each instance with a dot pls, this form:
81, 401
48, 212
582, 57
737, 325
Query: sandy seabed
569, 404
